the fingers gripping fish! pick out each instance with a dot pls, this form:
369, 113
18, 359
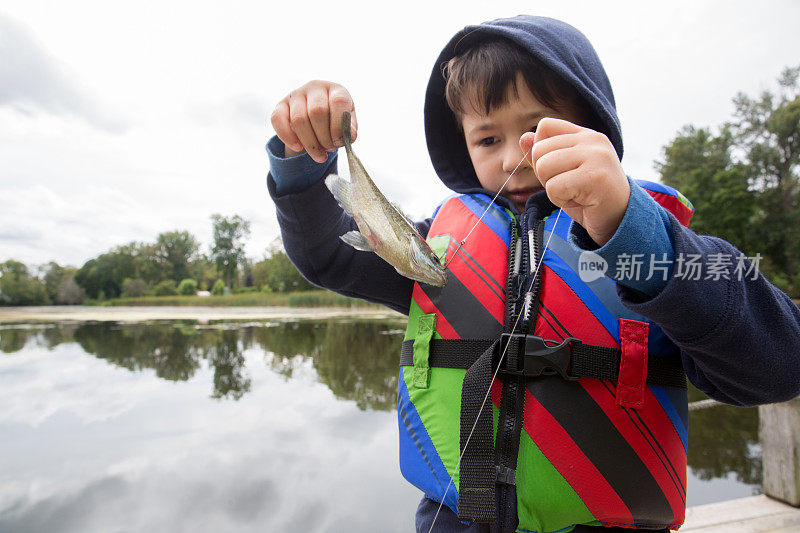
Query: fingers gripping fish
383, 229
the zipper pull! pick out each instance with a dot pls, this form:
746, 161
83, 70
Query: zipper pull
520, 286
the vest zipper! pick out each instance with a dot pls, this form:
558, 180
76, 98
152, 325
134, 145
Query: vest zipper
513, 395
514, 258
524, 256
535, 245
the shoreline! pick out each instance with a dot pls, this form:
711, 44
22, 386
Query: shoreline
80, 313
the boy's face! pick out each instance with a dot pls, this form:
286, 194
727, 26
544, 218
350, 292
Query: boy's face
493, 142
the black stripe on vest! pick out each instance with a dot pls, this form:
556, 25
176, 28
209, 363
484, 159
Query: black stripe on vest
587, 425
463, 310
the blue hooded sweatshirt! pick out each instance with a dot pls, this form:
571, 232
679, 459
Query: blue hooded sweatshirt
739, 339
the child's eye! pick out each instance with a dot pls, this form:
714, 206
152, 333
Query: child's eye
487, 141
533, 128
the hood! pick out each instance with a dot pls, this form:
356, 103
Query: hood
565, 50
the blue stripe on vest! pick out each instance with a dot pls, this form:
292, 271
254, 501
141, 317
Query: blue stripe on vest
438, 207
603, 289
495, 219
657, 187
666, 403
419, 461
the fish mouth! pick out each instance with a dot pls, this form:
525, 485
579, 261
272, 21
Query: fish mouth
436, 279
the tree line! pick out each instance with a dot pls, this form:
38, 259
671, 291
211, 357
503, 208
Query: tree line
171, 265
743, 179
741, 176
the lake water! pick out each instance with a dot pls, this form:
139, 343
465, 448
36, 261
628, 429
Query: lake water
238, 426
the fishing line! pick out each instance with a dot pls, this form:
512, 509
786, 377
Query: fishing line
464, 240
499, 362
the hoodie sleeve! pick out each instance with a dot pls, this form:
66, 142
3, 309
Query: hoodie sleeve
739, 337
311, 223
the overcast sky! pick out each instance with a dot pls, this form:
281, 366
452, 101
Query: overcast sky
122, 121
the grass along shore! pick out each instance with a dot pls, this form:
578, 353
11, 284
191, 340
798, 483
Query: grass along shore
317, 298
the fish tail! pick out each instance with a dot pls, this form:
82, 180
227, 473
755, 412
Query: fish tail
346, 130
341, 189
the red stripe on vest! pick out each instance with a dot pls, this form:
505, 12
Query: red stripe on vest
483, 243
657, 461
569, 309
492, 298
589, 483
674, 206
443, 327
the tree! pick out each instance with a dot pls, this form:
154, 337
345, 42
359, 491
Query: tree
228, 248
699, 164
173, 252
69, 293
204, 271
187, 287
60, 284
768, 134
219, 288
278, 272
745, 181
18, 287
133, 288
165, 288
103, 276
53, 276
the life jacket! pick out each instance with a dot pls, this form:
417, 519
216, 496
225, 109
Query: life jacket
586, 421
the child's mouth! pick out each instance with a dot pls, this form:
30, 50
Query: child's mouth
520, 196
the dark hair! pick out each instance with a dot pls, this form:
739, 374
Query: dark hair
478, 79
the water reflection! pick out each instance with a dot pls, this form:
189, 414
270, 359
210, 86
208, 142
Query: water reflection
14, 339
356, 360
724, 440
132, 437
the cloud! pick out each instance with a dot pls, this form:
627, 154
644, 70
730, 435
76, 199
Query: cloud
32, 80
239, 110
288, 456
39, 224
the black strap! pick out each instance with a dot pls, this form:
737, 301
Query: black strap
598, 362
476, 491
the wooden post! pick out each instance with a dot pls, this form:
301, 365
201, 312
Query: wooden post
779, 432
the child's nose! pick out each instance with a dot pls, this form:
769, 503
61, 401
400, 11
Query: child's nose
512, 157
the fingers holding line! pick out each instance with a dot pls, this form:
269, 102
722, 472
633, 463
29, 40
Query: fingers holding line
568, 189
551, 134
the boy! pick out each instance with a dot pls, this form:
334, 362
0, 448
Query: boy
590, 432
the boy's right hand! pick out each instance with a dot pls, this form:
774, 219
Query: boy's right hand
309, 119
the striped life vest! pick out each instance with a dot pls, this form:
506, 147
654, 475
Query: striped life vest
596, 393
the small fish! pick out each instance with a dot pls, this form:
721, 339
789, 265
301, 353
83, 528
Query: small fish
383, 228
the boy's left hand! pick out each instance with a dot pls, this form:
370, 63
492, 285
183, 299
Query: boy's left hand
581, 173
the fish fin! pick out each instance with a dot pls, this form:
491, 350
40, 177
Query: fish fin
416, 253
403, 214
340, 189
369, 233
357, 241
399, 232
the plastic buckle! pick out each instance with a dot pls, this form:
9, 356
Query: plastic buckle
540, 356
